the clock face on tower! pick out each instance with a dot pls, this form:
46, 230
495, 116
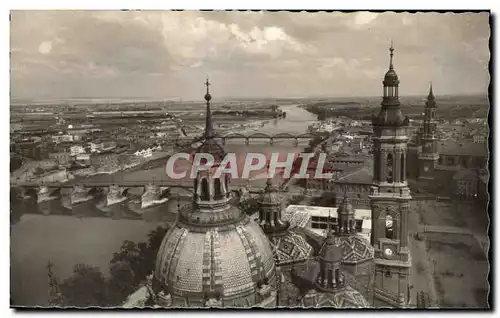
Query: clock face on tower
388, 252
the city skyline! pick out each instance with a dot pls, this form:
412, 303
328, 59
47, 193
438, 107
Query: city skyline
163, 54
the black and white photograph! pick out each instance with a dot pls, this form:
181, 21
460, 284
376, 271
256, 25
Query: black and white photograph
250, 159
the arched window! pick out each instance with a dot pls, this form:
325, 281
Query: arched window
389, 226
337, 276
217, 189
205, 192
403, 168
390, 165
329, 278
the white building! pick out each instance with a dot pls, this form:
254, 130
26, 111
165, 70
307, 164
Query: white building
76, 150
95, 147
144, 153
316, 218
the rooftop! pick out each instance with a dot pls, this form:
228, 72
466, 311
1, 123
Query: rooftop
464, 149
363, 175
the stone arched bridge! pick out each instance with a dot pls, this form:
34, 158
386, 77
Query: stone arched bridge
115, 192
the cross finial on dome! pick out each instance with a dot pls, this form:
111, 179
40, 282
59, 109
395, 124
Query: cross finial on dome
391, 50
207, 84
209, 130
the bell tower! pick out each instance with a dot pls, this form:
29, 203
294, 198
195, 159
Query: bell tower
390, 197
429, 156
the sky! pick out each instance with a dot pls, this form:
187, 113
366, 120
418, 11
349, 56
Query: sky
165, 54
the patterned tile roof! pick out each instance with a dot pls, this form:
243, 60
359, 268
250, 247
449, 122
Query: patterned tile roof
355, 249
290, 247
296, 218
346, 298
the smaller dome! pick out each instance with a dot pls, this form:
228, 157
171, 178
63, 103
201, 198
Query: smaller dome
391, 78
329, 251
345, 207
270, 196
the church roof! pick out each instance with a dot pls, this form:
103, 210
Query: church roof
290, 247
355, 249
346, 298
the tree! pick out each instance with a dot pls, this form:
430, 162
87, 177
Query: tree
86, 288
121, 282
131, 254
141, 256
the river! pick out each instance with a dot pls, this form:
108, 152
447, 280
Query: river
86, 234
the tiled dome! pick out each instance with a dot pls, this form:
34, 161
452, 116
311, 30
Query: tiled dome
226, 263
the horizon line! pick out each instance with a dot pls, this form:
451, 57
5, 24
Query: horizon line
177, 99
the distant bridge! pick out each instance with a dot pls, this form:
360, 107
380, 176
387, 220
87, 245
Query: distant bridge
256, 136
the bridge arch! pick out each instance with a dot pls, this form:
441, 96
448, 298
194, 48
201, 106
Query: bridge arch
259, 135
283, 135
234, 136
310, 135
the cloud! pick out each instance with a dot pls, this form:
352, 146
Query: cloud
159, 54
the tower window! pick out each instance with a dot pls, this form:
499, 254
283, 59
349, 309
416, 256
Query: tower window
403, 168
389, 233
205, 193
390, 164
217, 189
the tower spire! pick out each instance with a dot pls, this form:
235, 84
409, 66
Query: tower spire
209, 130
431, 101
431, 93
